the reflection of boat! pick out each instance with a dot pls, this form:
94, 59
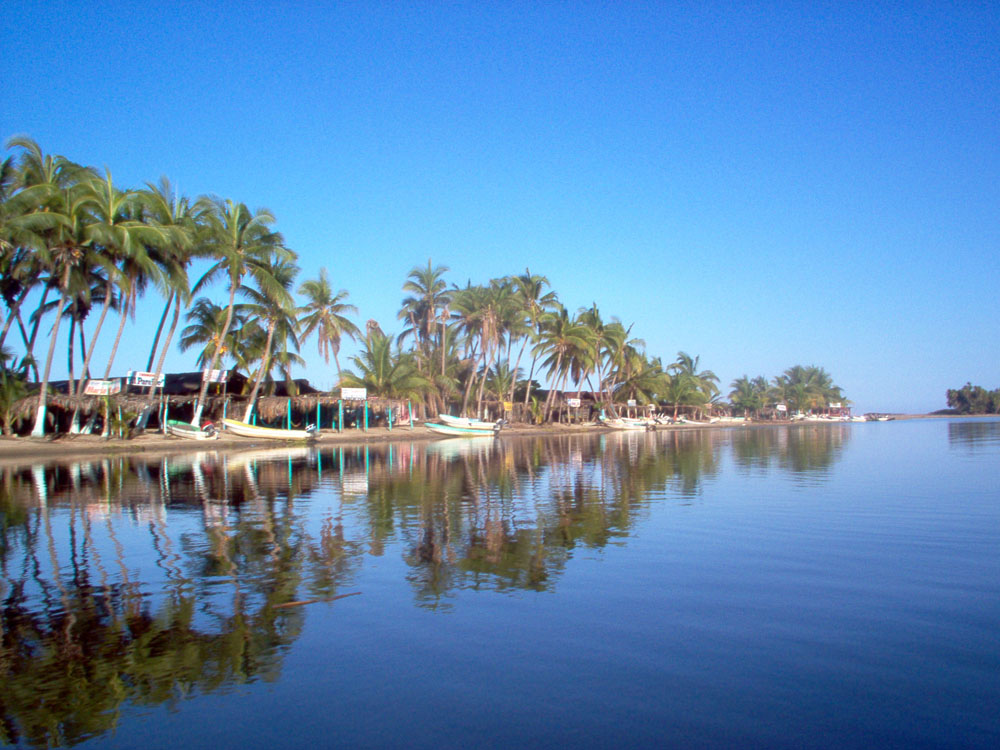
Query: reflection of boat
466, 423
241, 458
446, 429
456, 446
244, 429
190, 432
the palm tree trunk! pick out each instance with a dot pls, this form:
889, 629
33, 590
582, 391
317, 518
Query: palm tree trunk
30, 353
126, 306
159, 329
14, 313
39, 429
144, 417
89, 351
531, 374
199, 405
260, 374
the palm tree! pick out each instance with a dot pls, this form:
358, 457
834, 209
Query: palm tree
535, 302
325, 313
276, 309
244, 245
64, 253
426, 305
560, 337
207, 329
384, 372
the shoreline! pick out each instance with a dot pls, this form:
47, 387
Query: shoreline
17, 450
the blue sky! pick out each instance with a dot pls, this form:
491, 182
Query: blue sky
761, 185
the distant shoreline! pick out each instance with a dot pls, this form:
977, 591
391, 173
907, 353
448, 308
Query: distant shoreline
19, 450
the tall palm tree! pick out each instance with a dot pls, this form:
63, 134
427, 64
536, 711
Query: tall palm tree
325, 314
426, 306
64, 253
275, 308
536, 302
560, 337
244, 245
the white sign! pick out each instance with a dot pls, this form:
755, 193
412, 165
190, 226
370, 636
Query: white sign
214, 376
145, 379
630, 402
835, 405
781, 407
103, 387
574, 402
354, 394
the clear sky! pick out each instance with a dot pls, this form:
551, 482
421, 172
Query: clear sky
759, 184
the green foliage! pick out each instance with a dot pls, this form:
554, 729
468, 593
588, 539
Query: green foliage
974, 399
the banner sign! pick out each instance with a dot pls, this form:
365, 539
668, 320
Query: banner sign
214, 376
781, 407
631, 402
574, 402
354, 394
145, 379
508, 406
103, 387
835, 405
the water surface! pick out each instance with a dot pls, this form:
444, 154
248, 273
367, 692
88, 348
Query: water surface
811, 586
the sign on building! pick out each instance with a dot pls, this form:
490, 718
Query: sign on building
630, 402
214, 376
781, 407
573, 402
145, 379
354, 394
103, 387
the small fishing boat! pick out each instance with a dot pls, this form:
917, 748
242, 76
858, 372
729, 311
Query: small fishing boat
466, 422
244, 429
454, 431
628, 423
188, 431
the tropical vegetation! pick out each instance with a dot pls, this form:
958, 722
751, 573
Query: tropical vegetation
78, 251
974, 399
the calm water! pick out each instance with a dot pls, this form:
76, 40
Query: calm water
817, 586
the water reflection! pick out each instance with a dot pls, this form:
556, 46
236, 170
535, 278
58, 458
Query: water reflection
138, 581
974, 434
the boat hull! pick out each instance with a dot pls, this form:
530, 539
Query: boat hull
451, 431
465, 423
244, 429
189, 431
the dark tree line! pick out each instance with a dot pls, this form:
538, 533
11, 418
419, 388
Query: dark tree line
974, 399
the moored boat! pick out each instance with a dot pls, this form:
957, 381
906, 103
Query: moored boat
245, 429
188, 431
455, 431
465, 422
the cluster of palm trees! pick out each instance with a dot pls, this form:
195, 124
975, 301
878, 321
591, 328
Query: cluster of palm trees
79, 247
800, 389
467, 345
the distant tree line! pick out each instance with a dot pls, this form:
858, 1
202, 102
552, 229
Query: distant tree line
974, 399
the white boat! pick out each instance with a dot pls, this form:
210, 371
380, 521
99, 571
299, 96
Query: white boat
453, 431
465, 422
244, 429
627, 423
188, 431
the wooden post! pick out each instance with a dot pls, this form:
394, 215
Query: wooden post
340, 418
366, 426
318, 423
289, 414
